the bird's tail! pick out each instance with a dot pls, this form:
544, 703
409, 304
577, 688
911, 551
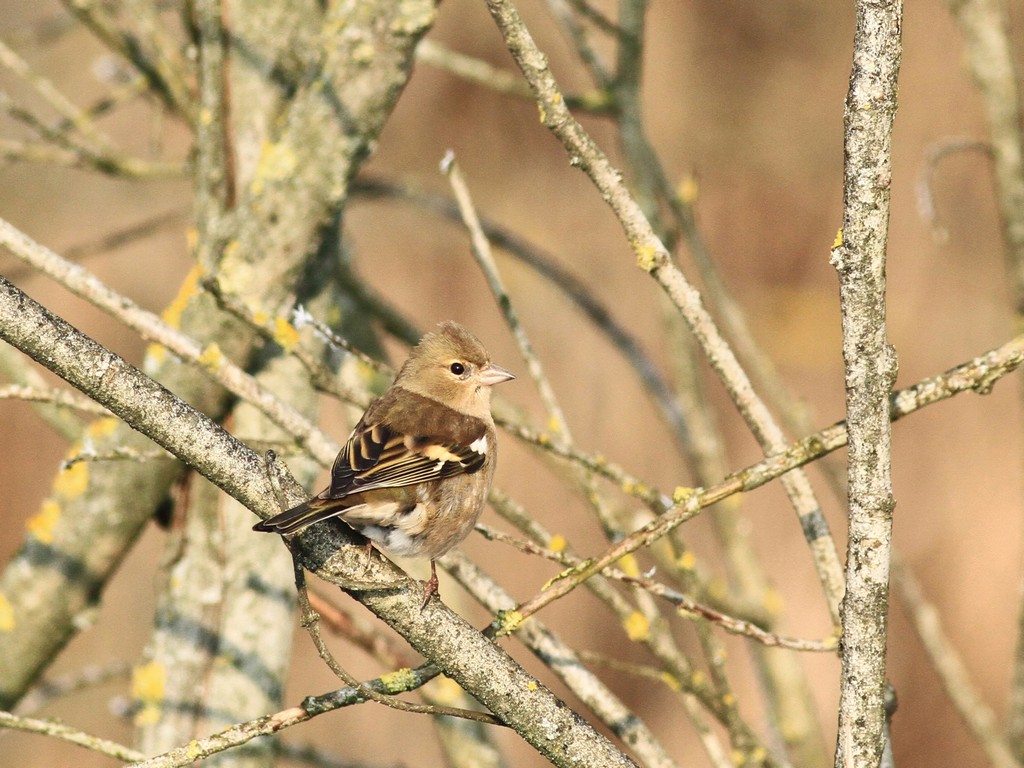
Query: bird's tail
297, 518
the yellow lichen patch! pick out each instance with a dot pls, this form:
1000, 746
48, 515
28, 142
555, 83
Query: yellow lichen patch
42, 524
681, 494
444, 690
285, 334
732, 503
595, 99
277, 161
773, 602
72, 481
259, 317
557, 543
149, 687
149, 682
729, 700
686, 561
194, 750
211, 357
718, 589
789, 730
671, 681
400, 680
155, 355
646, 257
102, 428
738, 757
839, 239
532, 686
334, 316
509, 621
543, 113
629, 566
148, 714
758, 755
688, 189
554, 425
637, 626
189, 287
7, 622
364, 53
698, 678
565, 574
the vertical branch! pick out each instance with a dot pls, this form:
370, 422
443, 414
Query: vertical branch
991, 59
985, 28
870, 362
213, 183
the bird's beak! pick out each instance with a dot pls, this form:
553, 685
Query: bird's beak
492, 374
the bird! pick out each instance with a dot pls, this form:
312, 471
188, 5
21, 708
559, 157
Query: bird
414, 474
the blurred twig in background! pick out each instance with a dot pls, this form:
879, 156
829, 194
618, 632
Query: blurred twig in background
284, 316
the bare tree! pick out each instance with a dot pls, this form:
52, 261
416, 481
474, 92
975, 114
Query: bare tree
633, 581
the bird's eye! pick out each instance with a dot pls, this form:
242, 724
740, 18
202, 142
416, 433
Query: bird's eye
457, 368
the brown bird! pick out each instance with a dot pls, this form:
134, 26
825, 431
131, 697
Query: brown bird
414, 474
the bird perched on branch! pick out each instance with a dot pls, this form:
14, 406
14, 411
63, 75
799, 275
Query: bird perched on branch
414, 474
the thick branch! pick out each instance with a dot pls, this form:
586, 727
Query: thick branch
476, 663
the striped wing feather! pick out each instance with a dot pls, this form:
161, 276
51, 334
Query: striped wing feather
376, 457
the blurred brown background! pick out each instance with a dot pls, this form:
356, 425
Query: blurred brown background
750, 97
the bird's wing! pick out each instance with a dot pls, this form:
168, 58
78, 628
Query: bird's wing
376, 456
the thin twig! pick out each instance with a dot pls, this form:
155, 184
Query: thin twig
639, 625
471, 69
477, 664
481, 250
311, 621
949, 666
572, 287
653, 257
61, 397
978, 375
69, 734
562, 661
124, 236
51, 688
934, 155
210, 360
167, 83
557, 421
685, 604
993, 59
74, 116
124, 167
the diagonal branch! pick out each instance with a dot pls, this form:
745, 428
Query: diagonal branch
654, 258
476, 663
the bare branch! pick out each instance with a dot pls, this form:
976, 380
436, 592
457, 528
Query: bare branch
859, 258
475, 662
653, 258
